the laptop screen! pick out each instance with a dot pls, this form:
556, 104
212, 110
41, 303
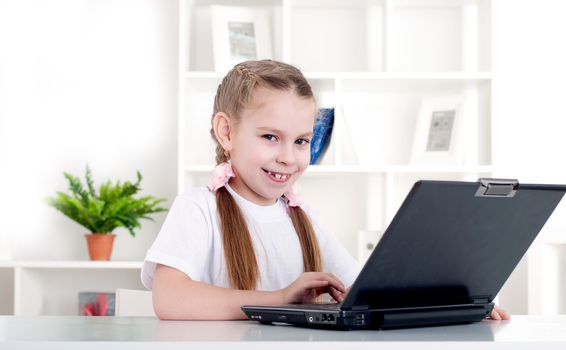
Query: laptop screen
447, 245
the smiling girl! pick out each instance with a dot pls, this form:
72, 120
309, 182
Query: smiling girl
247, 238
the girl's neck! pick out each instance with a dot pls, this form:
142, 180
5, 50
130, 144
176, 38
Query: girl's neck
238, 188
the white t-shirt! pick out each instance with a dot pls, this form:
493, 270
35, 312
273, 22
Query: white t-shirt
191, 242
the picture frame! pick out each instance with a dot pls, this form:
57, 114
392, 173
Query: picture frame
239, 34
439, 137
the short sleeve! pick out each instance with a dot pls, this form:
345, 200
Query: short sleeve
182, 243
335, 258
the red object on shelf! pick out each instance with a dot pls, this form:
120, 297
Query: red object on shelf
96, 304
88, 310
102, 300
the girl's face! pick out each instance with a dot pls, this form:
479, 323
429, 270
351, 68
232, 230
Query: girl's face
270, 145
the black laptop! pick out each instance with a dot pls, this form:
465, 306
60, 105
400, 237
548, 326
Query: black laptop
444, 257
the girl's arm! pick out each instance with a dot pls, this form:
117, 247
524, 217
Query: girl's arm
177, 297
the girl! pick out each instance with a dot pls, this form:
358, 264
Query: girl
247, 238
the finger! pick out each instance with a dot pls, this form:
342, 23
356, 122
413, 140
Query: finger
495, 315
315, 284
336, 279
333, 281
336, 294
502, 313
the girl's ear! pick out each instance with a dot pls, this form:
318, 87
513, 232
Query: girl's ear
222, 126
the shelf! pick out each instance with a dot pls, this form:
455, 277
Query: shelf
72, 264
430, 35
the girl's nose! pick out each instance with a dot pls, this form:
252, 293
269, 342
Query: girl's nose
286, 154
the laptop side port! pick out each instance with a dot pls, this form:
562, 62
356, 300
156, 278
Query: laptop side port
360, 319
321, 318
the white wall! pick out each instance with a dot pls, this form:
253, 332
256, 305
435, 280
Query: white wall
83, 81
529, 112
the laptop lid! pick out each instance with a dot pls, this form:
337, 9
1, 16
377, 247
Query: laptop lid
453, 243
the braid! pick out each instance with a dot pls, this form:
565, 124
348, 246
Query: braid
247, 74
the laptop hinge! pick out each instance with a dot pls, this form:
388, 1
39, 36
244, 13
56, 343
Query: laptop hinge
482, 300
355, 307
489, 187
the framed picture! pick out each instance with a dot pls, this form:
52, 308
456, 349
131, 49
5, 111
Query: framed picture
239, 34
439, 136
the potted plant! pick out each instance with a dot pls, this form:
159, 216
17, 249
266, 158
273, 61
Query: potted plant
102, 211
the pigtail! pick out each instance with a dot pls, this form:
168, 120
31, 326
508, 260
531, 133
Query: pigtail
239, 253
312, 260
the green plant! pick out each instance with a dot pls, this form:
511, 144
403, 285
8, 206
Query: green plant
114, 205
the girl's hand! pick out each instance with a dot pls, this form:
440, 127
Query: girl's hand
499, 314
310, 285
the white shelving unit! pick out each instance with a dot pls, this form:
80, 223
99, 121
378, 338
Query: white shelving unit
373, 61
34, 287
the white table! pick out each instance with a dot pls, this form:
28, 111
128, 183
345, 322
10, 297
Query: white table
76, 332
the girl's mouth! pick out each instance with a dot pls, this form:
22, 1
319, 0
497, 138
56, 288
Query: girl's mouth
277, 177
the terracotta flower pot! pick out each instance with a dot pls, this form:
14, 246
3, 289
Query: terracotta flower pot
100, 245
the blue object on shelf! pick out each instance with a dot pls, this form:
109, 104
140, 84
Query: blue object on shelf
322, 131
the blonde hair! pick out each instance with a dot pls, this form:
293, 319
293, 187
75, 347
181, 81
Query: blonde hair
233, 94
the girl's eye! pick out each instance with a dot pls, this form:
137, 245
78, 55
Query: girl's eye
269, 137
302, 141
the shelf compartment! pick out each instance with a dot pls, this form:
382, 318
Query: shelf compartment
336, 35
379, 118
444, 35
196, 30
39, 292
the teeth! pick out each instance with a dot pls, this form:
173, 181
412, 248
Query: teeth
278, 176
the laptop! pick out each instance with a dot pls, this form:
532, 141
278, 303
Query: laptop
444, 257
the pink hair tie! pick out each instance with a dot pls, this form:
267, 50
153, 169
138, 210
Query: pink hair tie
293, 197
220, 176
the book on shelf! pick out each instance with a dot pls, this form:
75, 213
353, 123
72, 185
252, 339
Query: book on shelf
323, 126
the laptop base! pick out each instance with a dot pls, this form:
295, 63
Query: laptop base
365, 318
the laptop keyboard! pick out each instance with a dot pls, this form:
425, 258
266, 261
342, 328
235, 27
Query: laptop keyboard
329, 306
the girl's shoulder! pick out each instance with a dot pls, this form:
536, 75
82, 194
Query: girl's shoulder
197, 193
200, 197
